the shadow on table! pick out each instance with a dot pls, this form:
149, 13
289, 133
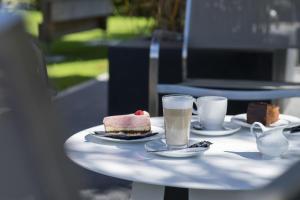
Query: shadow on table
212, 169
248, 155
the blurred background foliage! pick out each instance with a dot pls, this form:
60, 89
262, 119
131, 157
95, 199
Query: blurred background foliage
168, 14
77, 57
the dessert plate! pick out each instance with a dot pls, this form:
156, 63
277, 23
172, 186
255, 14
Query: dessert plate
156, 133
227, 129
241, 120
159, 147
125, 136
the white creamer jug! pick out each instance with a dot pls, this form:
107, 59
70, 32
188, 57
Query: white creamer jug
271, 142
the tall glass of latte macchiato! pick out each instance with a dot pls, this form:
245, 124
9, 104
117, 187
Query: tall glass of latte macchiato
177, 116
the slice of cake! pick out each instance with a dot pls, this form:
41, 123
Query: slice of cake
139, 122
263, 113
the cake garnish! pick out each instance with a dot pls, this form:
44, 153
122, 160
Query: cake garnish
139, 112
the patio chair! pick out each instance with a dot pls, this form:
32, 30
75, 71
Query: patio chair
41, 67
33, 165
213, 24
71, 16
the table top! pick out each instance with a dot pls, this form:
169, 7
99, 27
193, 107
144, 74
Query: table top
232, 163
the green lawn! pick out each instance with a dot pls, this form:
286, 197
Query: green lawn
81, 61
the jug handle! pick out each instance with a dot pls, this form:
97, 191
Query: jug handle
257, 124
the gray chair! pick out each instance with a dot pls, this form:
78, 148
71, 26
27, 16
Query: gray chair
41, 67
63, 17
33, 165
267, 25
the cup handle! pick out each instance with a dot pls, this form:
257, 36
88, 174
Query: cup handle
257, 124
194, 111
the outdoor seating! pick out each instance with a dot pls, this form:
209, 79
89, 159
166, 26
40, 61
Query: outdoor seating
62, 17
41, 67
32, 146
29, 124
195, 150
202, 31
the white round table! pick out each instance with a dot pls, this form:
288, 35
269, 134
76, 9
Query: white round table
232, 163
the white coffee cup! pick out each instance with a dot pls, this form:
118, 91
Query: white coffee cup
211, 111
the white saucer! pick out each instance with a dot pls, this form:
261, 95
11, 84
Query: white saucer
241, 120
155, 146
98, 138
227, 129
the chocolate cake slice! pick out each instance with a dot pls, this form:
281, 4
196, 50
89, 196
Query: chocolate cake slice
263, 113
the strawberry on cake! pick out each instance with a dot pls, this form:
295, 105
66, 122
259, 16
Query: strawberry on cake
139, 122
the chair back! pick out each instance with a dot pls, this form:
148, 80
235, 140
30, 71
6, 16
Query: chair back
33, 165
265, 25
260, 25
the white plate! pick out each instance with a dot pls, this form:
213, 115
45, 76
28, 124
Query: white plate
241, 120
228, 128
160, 144
98, 138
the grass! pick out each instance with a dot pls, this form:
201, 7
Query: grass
81, 61
71, 73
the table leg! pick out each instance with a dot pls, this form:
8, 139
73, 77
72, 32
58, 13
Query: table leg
142, 191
